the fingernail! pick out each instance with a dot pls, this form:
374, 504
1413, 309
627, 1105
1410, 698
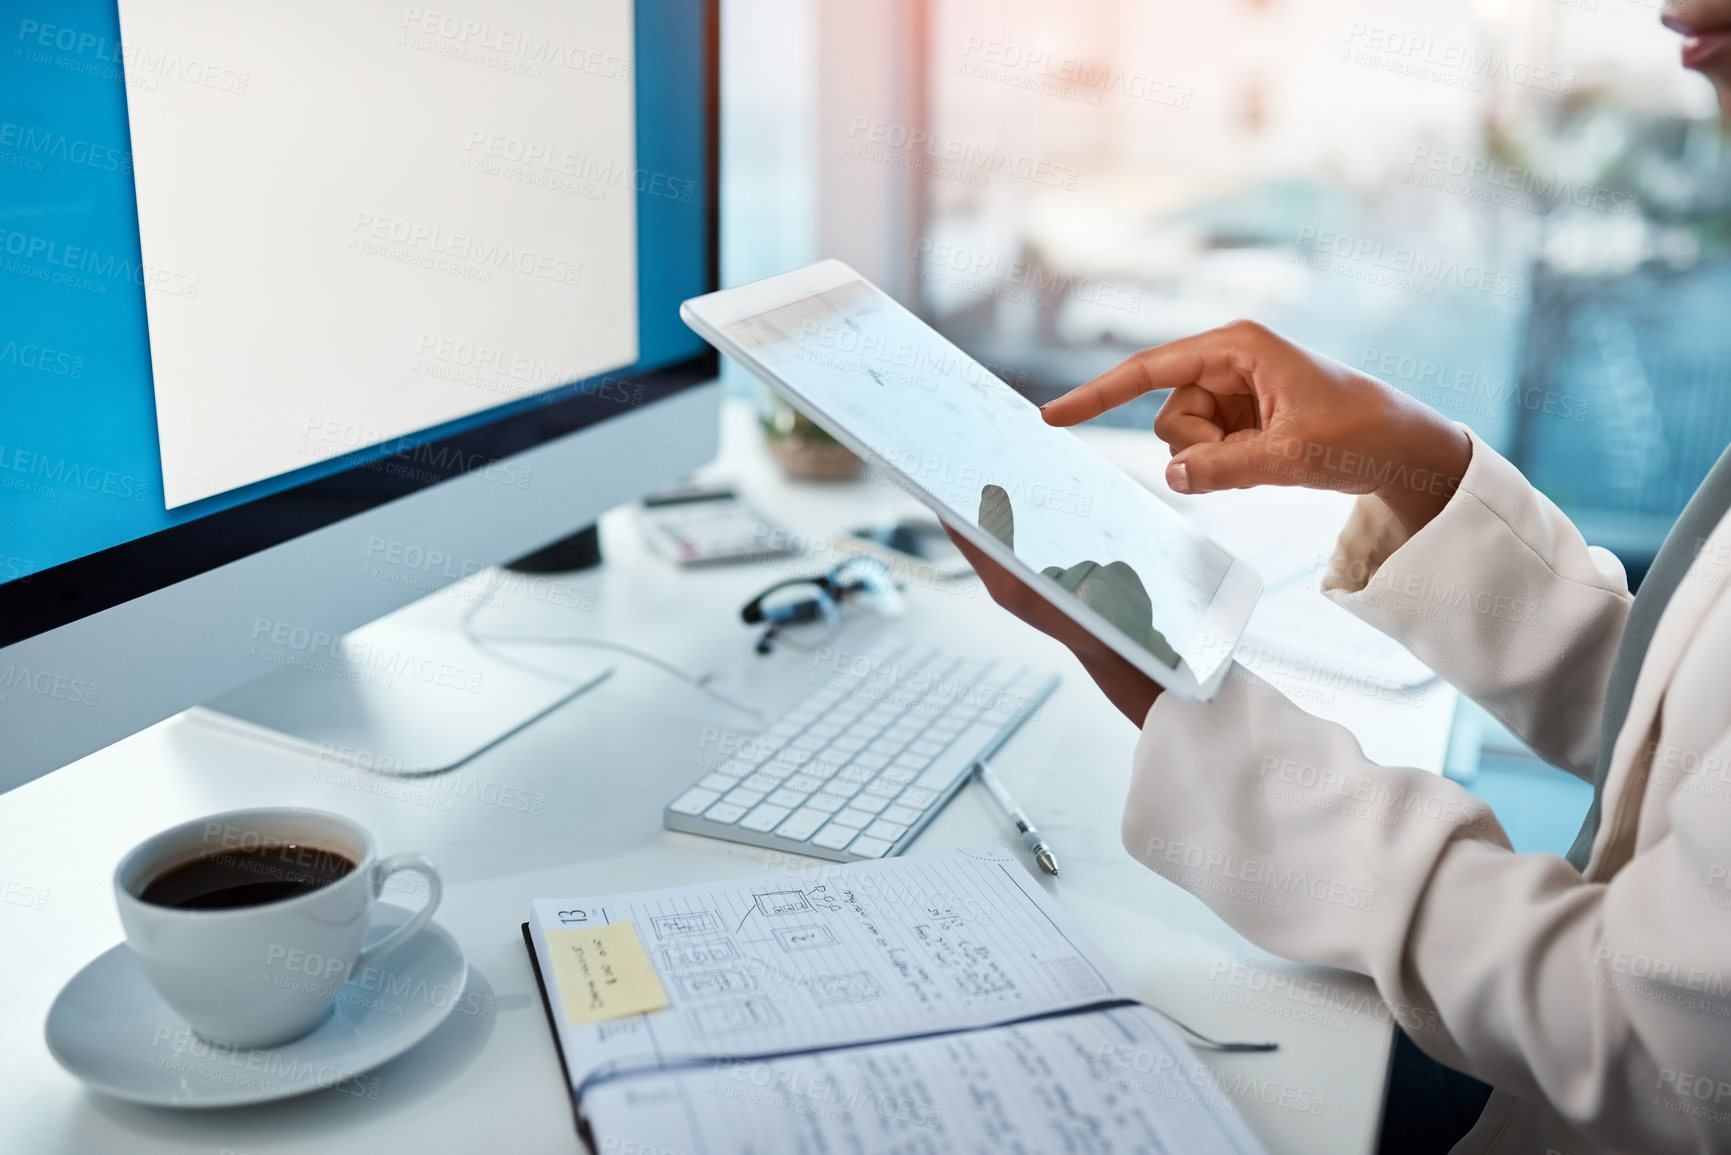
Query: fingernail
1178, 476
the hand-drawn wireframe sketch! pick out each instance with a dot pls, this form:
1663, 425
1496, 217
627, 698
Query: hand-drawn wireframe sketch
680, 925
731, 1018
782, 902
804, 937
701, 953
710, 984
854, 987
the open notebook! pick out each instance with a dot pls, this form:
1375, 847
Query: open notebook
931, 1003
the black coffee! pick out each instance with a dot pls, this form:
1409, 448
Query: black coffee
226, 879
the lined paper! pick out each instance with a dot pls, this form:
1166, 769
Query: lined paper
1110, 1083
834, 956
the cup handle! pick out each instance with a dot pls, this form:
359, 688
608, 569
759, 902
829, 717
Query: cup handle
396, 864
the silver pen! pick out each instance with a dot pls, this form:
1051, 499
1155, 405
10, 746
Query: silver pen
1031, 838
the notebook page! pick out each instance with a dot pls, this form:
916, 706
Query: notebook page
1115, 1082
832, 956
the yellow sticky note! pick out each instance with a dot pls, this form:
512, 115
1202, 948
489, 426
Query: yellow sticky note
603, 973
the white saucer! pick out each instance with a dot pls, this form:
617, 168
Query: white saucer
111, 1029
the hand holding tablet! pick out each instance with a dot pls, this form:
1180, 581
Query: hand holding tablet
1066, 523
1123, 683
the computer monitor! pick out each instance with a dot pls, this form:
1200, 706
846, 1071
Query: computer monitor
137, 562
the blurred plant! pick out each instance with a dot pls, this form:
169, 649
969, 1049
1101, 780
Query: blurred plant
804, 449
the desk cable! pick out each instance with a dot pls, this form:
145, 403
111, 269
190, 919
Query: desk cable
489, 643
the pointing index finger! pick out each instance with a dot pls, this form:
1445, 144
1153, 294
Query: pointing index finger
1181, 362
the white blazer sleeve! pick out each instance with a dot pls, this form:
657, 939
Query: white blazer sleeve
1598, 999
1501, 596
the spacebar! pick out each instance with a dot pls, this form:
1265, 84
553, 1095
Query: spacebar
958, 757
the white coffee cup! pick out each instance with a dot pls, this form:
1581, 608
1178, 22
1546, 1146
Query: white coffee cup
259, 976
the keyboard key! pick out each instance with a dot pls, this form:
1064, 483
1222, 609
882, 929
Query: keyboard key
804, 783
833, 837
870, 803
993, 696
824, 765
888, 831
765, 817
694, 801
719, 782
941, 775
761, 781
959, 756
734, 768
801, 825
854, 817
916, 797
826, 803
898, 776
867, 847
744, 797
906, 815
724, 812
788, 798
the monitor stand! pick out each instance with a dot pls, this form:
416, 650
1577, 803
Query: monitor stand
580, 551
407, 695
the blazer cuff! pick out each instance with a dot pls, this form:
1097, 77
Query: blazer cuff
1493, 498
1372, 533
1499, 594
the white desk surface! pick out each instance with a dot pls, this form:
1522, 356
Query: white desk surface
605, 765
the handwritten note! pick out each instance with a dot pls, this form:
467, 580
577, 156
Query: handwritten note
603, 973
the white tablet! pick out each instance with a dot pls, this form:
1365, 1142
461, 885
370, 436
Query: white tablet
1066, 521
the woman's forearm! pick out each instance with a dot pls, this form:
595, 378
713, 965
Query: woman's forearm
1430, 456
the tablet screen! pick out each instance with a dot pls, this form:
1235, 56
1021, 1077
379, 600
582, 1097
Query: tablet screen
982, 451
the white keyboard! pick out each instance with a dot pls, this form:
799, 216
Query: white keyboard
858, 768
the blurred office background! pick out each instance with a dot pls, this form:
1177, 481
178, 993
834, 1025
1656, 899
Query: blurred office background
1516, 210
